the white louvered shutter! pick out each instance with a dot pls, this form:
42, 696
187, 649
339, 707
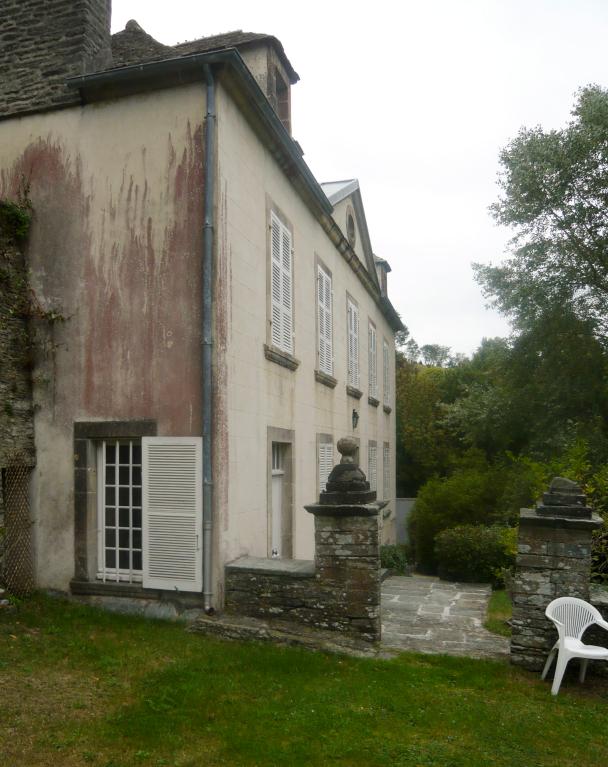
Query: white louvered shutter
386, 467
372, 467
172, 513
353, 344
385, 368
326, 463
276, 287
324, 303
281, 286
373, 375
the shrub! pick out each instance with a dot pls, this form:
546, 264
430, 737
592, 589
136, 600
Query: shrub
394, 557
599, 556
476, 553
469, 496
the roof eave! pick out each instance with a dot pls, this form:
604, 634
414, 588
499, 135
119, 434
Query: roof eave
159, 74
189, 68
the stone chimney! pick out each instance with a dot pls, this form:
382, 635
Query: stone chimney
42, 43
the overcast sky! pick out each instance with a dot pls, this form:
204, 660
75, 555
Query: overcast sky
415, 99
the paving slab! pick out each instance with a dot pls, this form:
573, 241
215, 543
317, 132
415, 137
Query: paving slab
424, 614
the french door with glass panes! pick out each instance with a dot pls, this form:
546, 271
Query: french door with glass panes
119, 493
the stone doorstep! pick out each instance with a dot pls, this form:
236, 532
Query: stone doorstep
242, 628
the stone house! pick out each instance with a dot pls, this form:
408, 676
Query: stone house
227, 318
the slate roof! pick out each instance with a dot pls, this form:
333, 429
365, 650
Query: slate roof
135, 46
336, 191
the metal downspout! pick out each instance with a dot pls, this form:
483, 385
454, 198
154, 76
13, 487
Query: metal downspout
207, 312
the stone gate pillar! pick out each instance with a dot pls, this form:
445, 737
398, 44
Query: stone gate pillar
347, 549
553, 560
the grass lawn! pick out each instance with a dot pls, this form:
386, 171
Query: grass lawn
499, 612
80, 687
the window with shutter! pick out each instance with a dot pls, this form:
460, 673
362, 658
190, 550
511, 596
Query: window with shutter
119, 493
172, 513
386, 471
373, 375
353, 343
386, 370
372, 466
281, 288
324, 313
326, 463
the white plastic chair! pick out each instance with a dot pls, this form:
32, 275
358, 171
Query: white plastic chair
571, 617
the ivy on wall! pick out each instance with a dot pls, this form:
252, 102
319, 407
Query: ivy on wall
23, 337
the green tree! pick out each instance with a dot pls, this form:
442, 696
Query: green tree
434, 354
555, 195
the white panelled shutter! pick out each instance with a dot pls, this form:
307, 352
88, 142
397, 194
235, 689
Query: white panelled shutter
385, 366
326, 463
172, 513
353, 344
373, 374
372, 466
282, 286
324, 303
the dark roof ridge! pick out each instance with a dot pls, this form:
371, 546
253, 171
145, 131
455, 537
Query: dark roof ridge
133, 45
236, 39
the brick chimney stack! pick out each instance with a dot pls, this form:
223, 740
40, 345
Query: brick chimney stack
42, 43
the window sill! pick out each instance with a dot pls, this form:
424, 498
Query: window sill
280, 357
373, 401
132, 591
111, 588
352, 392
325, 379
387, 409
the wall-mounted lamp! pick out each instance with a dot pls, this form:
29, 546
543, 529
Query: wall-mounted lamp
355, 418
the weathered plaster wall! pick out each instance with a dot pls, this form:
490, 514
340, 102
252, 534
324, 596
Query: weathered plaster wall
259, 393
115, 243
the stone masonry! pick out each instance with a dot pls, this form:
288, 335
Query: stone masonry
17, 452
44, 43
553, 560
16, 413
340, 591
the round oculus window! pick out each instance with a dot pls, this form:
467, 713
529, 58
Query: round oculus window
351, 233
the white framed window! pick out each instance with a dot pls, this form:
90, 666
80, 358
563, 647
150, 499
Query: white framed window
386, 471
325, 461
149, 499
386, 372
373, 365
281, 288
372, 465
119, 496
352, 311
324, 319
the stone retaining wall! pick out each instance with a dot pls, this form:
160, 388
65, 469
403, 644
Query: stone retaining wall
340, 591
